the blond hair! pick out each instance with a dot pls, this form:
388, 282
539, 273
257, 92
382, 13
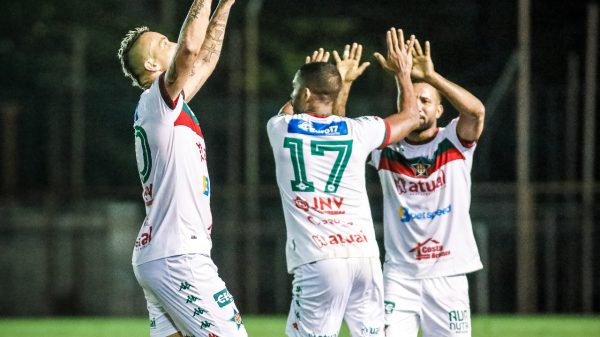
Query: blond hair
126, 44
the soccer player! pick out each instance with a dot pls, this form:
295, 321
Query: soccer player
320, 166
426, 182
171, 258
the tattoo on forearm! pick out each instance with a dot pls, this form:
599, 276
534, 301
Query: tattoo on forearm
214, 39
197, 6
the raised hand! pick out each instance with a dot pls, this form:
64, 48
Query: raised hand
349, 64
317, 56
422, 64
399, 58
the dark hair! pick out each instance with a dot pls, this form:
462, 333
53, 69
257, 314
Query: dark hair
322, 79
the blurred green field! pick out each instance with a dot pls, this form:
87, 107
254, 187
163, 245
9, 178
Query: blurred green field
273, 326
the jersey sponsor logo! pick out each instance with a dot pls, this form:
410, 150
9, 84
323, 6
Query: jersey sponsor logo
202, 151
206, 186
459, 321
339, 239
406, 215
223, 298
143, 240
422, 186
328, 222
429, 249
328, 205
317, 129
147, 195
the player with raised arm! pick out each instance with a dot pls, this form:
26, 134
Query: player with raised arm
428, 236
320, 167
171, 258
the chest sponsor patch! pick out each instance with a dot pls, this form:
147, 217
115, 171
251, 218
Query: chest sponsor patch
317, 129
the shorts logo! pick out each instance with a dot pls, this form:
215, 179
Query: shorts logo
184, 286
191, 299
317, 129
389, 307
237, 319
459, 321
369, 331
406, 215
205, 324
199, 311
223, 298
429, 249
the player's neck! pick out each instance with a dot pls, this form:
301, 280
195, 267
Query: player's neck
422, 137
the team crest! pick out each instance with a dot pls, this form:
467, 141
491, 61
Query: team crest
237, 319
421, 168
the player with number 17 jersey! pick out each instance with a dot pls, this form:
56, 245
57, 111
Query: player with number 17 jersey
325, 201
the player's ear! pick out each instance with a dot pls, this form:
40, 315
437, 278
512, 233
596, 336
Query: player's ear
440, 111
305, 94
151, 65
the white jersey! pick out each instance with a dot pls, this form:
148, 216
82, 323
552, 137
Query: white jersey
171, 159
320, 166
427, 194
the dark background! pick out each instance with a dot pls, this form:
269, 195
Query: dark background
472, 45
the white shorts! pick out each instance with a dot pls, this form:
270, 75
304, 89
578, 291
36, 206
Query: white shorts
440, 306
328, 291
184, 293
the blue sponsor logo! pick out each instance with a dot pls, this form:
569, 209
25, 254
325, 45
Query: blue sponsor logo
406, 215
317, 129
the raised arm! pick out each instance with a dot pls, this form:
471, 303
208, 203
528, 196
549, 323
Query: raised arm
350, 69
189, 43
199, 40
399, 62
471, 110
210, 52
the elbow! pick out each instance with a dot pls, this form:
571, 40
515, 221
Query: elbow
479, 112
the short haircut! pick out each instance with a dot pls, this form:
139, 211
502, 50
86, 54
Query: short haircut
322, 79
123, 54
437, 93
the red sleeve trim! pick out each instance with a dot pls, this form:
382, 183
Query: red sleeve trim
466, 143
165, 95
386, 138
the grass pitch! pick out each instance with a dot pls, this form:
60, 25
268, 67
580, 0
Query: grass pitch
274, 326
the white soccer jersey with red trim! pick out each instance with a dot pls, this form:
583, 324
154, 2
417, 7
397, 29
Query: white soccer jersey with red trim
320, 166
171, 159
427, 194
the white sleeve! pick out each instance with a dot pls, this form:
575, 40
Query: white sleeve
372, 131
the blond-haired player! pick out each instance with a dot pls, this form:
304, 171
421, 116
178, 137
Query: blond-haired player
171, 257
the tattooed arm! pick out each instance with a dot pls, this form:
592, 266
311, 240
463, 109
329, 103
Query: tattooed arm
206, 61
189, 43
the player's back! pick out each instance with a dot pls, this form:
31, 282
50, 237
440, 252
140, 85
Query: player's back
320, 168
